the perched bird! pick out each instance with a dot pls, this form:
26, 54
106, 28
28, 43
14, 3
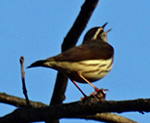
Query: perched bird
86, 63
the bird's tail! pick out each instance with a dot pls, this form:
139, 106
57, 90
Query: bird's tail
40, 63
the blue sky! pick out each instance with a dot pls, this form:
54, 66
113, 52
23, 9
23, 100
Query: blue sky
36, 29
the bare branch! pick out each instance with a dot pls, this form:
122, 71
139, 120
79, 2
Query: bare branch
23, 80
79, 24
108, 117
75, 109
70, 41
19, 102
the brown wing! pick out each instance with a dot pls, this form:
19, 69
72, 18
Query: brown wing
92, 50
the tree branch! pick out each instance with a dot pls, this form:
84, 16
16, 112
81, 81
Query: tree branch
80, 109
70, 41
19, 102
108, 117
79, 24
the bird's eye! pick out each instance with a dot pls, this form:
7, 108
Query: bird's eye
101, 31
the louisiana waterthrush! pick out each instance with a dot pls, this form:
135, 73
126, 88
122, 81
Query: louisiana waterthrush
90, 61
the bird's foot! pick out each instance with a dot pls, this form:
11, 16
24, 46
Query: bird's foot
99, 92
82, 98
97, 96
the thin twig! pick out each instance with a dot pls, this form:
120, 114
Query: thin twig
23, 80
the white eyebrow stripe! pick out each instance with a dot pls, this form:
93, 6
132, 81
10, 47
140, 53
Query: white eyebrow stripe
97, 32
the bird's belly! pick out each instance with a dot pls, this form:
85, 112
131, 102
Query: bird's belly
92, 70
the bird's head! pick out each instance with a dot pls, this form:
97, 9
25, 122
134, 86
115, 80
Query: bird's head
96, 33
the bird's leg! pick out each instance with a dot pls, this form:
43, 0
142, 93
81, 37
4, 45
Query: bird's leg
95, 88
78, 87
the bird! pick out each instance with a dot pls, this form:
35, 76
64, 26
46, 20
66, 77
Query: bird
86, 63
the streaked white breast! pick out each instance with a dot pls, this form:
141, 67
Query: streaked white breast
90, 69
